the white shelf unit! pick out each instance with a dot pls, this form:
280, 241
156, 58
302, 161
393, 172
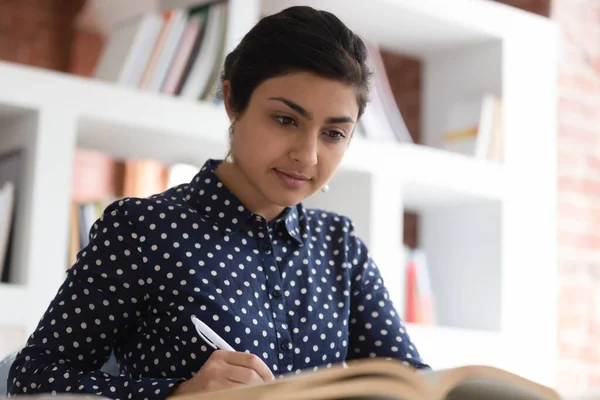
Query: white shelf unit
488, 230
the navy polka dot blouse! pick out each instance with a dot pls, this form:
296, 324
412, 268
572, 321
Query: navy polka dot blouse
301, 292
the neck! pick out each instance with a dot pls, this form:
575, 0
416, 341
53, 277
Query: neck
238, 183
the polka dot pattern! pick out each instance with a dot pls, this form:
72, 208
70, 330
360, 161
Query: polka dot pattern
301, 292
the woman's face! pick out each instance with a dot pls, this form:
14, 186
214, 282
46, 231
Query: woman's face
293, 134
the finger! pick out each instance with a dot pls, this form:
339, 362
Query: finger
242, 375
251, 361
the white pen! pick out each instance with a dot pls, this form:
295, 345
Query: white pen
209, 336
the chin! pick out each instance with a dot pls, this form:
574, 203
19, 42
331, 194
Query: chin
288, 198
288, 201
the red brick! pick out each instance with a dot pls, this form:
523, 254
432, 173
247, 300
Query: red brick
584, 185
589, 213
579, 240
37, 32
585, 352
541, 7
585, 34
567, 267
595, 64
594, 329
572, 132
579, 81
585, 107
404, 74
85, 52
94, 176
570, 381
575, 294
593, 163
593, 383
568, 158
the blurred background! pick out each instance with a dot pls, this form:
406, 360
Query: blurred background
85, 40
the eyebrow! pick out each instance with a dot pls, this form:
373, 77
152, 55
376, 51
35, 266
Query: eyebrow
302, 111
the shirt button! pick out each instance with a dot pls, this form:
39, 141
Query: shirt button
285, 346
267, 250
276, 293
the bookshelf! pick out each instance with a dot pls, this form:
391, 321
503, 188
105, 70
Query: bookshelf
488, 229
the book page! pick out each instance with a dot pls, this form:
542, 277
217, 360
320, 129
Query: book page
489, 389
481, 382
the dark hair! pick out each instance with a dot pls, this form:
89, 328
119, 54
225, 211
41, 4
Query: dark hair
296, 39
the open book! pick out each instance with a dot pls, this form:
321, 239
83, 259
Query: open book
390, 380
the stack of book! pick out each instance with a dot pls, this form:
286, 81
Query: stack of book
178, 52
382, 119
473, 127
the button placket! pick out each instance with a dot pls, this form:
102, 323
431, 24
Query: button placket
277, 304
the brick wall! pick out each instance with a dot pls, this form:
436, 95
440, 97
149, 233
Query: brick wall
38, 33
579, 194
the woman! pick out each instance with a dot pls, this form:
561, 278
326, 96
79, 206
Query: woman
288, 288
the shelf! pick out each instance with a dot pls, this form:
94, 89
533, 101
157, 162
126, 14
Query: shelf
430, 177
131, 123
15, 302
424, 27
173, 131
122, 121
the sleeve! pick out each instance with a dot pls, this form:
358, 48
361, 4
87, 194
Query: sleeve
375, 328
98, 302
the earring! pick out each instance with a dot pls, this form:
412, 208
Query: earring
229, 159
325, 188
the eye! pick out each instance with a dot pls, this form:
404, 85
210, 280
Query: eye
285, 120
335, 135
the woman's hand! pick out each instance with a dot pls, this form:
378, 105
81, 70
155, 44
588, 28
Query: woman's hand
225, 370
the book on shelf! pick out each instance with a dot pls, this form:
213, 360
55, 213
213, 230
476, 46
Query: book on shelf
177, 52
83, 217
382, 119
7, 210
420, 299
473, 127
10, 185
205, 66
390, 379
144, 177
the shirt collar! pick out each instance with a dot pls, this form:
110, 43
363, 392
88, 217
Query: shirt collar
216, 202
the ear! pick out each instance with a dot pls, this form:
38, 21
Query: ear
226, 90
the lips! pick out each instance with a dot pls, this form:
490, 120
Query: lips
292, 180
294, 175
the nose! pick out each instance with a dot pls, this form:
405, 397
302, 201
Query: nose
305, 148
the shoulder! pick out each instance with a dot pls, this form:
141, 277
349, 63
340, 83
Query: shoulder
340, 231
333, 225
328, 221
172, 200
134, 214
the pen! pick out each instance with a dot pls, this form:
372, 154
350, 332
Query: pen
209, 336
